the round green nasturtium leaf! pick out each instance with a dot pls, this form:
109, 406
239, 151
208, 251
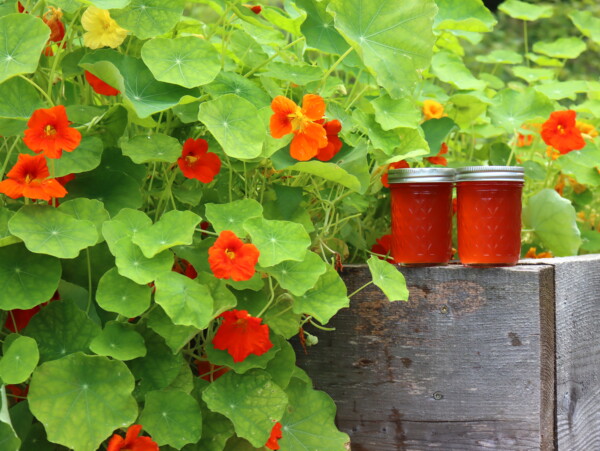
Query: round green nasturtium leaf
61, 328
553, 219
223, 298
21, 43
582, 165
394, 39
525, 11
187, 61
150, 148
301, 75
299, 277
557, 90
587, 24
172, 417
319, 29
252, 401
132, 263
82, 399
88, 209
391, 113
9, 440
282, 366
121, 295
125, 224
216, 430
277, 241
511, 109
324, 300
176, 337
119, 341
450, 68
26, 279
232, 83
149, 18
464, 15
20, 358
500, 57
533, 74
308, 422
568, 48
387, 277
174, 228
84, 158
236, 125
232, 215
185, 301
45, 230
18, 99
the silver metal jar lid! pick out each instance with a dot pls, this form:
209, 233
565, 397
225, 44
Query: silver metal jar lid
421, 175
490, 173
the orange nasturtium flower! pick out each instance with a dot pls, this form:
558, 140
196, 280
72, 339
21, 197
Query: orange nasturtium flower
131, 441
231, 258
432, 109
49, 132
439, 159
334, 145
241, 335
101, 29
275, 436
100, 86
196, 162
402, 164
531, 253
587, 129
29, 178
57, 28
560, 132
309, 135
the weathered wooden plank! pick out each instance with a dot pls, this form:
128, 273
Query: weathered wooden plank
466, 364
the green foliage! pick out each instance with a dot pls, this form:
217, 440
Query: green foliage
388, 278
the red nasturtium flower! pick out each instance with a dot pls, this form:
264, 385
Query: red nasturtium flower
432, 109
397, 165
100, 86
49, 132
18, 319
383, 246
275, 436
57, 28
241, 335
334, 145
29, 178
131, 441
196, 162
231, 258
184, 267
439, 159
309, 135
560, 131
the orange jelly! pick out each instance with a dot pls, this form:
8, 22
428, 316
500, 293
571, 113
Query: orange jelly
489, 215
421, 215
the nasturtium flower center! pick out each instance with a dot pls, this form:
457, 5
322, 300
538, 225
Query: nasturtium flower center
49, 130
230, 253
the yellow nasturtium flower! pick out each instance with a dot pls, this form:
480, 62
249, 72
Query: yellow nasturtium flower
101, 29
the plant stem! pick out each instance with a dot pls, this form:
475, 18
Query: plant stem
89, 271
36, 86
334, 67
272, 57
525, 42
361, 288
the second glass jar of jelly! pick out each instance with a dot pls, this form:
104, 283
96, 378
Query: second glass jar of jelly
489, 214
421, 215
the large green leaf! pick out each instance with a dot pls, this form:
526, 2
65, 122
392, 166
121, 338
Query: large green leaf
391, 113
26, 279
568, 48
20, 358
21, 43
465, 15
87, 209
149, 18
299, 277
176, 337
394, 39
387, 277
174, 228
319, 29
324, 300
216, 430
82, 399
245, 49
45, 230
449, 68
526, 11
185, 301
9, 440
236, 125
132, 263
61, 328
186, 61
582, 164
436, 131
558, 90
172, 417
511, 109
18, 99
500, 56
533, 74
277, 241
119, 341
232, 215
300, 75
554, 221
232, 83
587, 24
126, 224
252, 401
151, 148
86, 157
308, 422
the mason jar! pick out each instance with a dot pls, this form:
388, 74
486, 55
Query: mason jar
421, 215
489, 214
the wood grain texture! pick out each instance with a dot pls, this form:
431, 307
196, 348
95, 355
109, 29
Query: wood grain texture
466, 364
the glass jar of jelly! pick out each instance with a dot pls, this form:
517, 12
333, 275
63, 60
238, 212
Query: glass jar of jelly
421, 215
489, 215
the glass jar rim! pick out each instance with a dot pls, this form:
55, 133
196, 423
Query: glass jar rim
490, 173
421, 175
